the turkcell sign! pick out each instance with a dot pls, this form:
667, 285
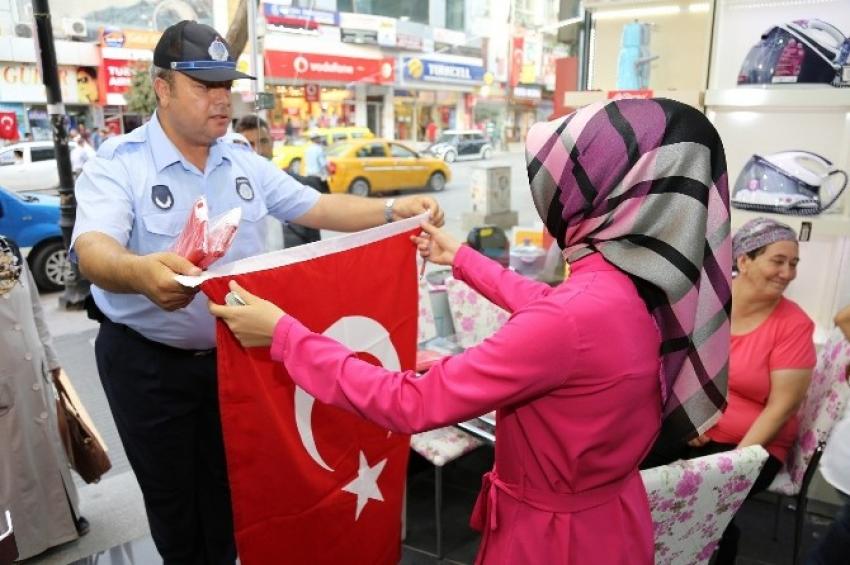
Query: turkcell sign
417, 68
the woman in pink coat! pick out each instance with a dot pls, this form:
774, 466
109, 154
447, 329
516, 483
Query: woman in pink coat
584, 375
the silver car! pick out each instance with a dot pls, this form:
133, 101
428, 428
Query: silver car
30, 165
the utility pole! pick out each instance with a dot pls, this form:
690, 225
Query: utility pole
76, 288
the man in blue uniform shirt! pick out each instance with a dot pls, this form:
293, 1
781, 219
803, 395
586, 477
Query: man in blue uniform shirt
155, 346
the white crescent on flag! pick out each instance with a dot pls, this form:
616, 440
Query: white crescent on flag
360, 334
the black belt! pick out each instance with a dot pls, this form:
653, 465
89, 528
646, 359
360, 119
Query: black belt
166, 348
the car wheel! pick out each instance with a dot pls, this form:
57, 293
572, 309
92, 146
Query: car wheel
48, 266
486, 153
437, 182
450, 156
360, 187
294, 166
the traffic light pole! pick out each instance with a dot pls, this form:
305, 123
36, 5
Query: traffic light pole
76, 288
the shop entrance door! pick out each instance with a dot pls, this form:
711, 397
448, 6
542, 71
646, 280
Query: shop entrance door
374, 115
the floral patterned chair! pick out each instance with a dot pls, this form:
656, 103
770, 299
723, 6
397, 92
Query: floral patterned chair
822, 408
475, 318
443, 445
693, 500
427, 327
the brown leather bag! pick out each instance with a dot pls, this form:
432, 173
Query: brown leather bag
85, 453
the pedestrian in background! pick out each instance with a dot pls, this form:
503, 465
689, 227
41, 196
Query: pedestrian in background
431, 131
35, 478
316, 162
82, 153
256, 131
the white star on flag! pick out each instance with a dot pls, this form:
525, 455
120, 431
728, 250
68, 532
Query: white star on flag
365, 486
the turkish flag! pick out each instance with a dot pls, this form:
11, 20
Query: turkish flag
311, 483
8, 126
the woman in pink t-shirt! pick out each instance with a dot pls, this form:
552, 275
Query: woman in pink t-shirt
771, 358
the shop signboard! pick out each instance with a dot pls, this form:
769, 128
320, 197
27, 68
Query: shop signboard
312, 92
413, 36
119, 38
436, 70
448, 36
532, 56
21, 82
296, 17
528, 92
116, 77
364, 28
332, 68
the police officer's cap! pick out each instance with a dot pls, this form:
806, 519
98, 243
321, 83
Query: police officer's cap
198, 51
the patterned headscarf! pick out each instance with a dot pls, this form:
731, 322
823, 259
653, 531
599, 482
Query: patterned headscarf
759, 232
644, 183
11, 265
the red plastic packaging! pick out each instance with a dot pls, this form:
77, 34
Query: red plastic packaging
203, 241
222, 230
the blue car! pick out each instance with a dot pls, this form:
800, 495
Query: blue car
32, 221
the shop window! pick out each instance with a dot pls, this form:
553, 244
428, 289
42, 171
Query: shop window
413, 11
372, 150
42, 154
455, 14
401, 152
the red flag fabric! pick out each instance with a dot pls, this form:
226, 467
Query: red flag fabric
311, 483
8, 126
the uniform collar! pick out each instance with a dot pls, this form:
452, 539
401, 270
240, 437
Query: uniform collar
166, 154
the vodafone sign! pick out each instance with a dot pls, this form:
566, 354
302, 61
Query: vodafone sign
313, 67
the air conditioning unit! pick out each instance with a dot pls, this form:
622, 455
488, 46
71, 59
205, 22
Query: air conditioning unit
75, 27
23, 30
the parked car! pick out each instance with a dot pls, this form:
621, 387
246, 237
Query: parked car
369, 166
35, 169
32, 221
290, 155
461, 144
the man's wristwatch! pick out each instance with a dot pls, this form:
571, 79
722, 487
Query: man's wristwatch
388, 209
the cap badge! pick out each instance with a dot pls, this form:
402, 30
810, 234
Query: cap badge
218, 50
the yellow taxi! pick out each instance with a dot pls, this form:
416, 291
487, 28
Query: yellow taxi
369, 166
290, 154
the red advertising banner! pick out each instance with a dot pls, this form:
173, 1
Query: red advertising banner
313, 66
517, 47
115, 78
312, 92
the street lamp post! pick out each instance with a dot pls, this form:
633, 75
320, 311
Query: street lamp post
76, 288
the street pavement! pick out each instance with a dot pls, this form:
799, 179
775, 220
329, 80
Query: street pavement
114, 506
